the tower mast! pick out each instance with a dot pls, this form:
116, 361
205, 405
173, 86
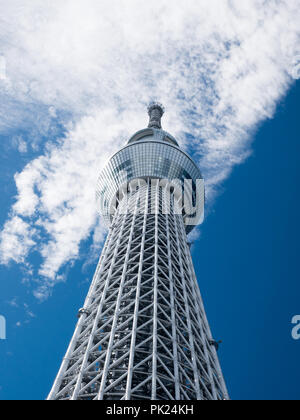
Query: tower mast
143, 333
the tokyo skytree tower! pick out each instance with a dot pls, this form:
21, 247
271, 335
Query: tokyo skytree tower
143, 333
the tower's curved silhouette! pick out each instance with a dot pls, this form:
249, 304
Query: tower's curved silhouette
143, 333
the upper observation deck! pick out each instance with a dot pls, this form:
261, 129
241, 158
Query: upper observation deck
149, 153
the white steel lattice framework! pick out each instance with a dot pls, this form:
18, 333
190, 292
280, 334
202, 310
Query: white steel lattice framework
143, 333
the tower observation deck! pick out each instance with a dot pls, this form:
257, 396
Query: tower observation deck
142, 333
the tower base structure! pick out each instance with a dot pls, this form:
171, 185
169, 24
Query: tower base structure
143, 333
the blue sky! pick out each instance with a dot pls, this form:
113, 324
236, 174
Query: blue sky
228, 84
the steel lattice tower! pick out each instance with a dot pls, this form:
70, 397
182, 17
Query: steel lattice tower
143, 332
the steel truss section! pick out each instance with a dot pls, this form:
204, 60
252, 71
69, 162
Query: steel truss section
143, 333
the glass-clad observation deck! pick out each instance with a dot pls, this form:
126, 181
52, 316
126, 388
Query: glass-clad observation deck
150, 153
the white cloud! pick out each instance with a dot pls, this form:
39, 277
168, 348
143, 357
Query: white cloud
20, 144
16, 239
13, 303
220, 68
2, 68
29, 313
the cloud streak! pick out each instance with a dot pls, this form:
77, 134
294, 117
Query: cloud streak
220, 68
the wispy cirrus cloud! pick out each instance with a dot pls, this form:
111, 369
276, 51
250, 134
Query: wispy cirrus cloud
220, 69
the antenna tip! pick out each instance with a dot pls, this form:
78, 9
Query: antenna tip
156, 105
155, 111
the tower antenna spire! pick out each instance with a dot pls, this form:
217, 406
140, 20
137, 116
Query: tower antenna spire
155, 111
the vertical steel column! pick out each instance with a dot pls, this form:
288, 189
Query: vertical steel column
173, 309
115, 319
187, 312
155, 286
137, 303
